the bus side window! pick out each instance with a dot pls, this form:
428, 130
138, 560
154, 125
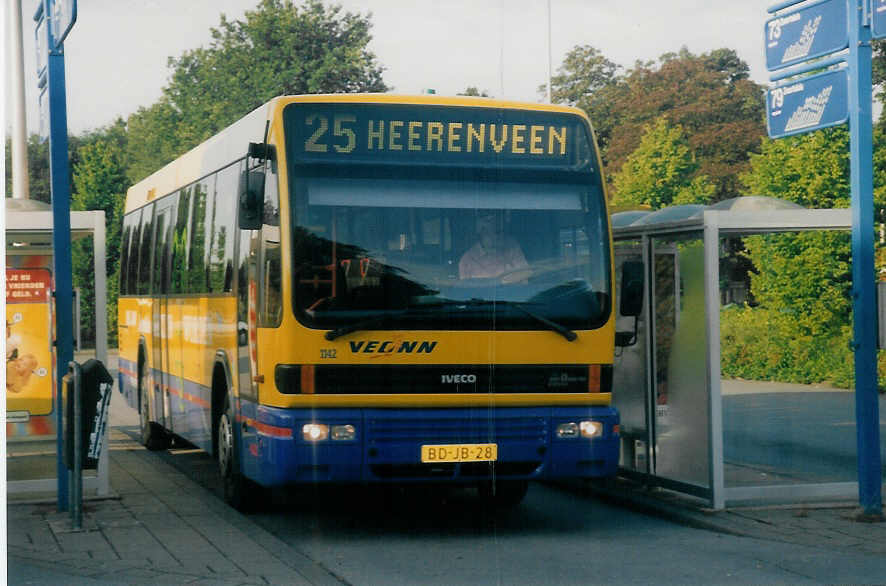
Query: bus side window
271, 303
221, 253
143, 281
162, 225
180, 244
196, 278
130, 228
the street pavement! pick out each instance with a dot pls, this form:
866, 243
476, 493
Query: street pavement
159, 526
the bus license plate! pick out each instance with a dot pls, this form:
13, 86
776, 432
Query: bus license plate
459, 453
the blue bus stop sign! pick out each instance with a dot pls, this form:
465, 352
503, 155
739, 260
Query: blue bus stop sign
878, 19
813, 102
807, 33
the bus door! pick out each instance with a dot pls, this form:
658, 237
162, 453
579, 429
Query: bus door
164, 222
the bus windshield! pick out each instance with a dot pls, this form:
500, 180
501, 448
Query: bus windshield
455, 247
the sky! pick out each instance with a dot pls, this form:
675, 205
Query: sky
116, 54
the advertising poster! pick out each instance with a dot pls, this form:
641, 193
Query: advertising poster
28, 335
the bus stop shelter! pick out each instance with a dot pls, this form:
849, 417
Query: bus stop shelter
683, 427
32, 406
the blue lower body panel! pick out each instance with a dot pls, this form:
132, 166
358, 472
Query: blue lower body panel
387, 446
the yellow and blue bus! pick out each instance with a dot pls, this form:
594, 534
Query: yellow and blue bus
311, 296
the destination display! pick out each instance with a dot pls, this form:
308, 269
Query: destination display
811, 103
807, 33
435, 135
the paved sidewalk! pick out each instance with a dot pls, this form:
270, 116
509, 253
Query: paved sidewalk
159, 527
829, 525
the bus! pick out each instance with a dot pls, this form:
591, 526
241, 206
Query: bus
373, 289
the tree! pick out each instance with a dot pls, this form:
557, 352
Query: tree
661, 171
100, 183
588, 80
584, 71
811, 169
38, 169
709, 95
278, 48
473, 91
800, 330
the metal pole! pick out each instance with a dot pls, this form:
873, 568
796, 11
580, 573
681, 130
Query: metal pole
865, 318
19, 123
61, 231
549, 51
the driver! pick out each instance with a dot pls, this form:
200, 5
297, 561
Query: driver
495, 253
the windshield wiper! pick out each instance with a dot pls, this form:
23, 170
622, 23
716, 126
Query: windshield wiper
552, 325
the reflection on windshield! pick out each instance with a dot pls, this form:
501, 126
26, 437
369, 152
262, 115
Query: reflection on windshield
435, 266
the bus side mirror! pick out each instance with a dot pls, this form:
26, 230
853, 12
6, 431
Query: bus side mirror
631, 304
251, 199
630, 300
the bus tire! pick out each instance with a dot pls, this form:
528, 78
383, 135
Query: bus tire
238, 491
503, 495
153, 437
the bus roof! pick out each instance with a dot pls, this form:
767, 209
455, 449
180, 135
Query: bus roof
231, 144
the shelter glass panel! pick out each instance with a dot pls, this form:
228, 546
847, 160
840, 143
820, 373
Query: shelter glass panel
681, 394
788, 411
630, 373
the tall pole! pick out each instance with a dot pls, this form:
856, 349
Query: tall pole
549, 52
19, 124
59, 179
863, 295
501, 53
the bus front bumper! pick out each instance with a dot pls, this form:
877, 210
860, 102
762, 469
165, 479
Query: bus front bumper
289, 446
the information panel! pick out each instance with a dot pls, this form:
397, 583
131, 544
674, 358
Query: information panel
878, 19
810, 32
28, 356
811, 103
62, 16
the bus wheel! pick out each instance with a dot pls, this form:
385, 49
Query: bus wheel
235, 485
152, 435
503, 495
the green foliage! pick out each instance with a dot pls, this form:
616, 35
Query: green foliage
761, 343
278, 48
100, 183
473, 91
708, 95
38, 169
811, 169
661, 171
585, 70
801, 328
587, 79
806, 275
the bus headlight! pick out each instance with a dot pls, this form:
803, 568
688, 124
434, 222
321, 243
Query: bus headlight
343, 433
315, 432
591, 429
320, 432
567, 430
585, 429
